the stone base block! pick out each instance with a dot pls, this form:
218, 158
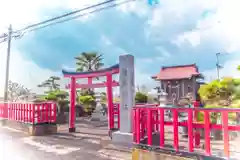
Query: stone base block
35, 130
122, 138
40, 130
52, 129
31, 130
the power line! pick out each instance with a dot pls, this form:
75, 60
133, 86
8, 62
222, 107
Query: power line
67, 14
81, 15
4, 35
19, 33
3, 40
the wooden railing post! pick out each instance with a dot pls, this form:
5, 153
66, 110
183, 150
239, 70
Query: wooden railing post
207, 132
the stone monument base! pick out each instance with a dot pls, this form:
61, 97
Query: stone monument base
122, 138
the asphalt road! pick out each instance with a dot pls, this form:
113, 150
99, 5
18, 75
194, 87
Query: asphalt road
15, 145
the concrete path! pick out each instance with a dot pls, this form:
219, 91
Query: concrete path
15, 145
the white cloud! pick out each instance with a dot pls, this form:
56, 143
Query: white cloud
138, 7
229, 69
166, 20
221, 25
24, 12
172, 17
24, 72
20, 14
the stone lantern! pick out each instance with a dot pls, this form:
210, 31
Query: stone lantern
162, 98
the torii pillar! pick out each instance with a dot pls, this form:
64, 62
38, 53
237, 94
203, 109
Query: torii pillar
72, 114
127, 99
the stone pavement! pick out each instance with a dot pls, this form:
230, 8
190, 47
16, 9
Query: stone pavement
97, 132
17, 146
88, 142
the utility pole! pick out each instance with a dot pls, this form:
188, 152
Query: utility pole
218, 65
9, 38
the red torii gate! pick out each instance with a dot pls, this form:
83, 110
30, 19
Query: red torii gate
108, 72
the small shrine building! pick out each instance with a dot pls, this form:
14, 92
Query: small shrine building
179, 81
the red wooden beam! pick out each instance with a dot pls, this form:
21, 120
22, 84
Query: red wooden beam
94, 85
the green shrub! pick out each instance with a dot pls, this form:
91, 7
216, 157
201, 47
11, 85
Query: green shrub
88, 103
86, 99
141, 98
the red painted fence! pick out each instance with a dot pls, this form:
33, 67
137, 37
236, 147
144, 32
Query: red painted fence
33, 113
148, 121
115, 117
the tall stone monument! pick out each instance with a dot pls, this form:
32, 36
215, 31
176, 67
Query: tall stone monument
127, 99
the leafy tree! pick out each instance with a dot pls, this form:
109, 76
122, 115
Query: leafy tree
86, 99
238, 67
219, 90
55, 95
208, 91
84, 92
103, 97
89, 61
88, 103
16, 90
60, 97
236, 81
141, 97
223, 93
51, 84
152, 99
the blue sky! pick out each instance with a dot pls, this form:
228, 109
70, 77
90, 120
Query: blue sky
170, 33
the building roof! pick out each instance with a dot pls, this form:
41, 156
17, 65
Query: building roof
177, 72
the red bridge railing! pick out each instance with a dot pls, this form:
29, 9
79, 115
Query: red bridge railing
148, 121
33, 113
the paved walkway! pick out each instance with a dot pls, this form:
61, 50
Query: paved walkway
88, 142
16, 146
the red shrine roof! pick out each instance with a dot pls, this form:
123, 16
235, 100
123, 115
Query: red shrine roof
177, 72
